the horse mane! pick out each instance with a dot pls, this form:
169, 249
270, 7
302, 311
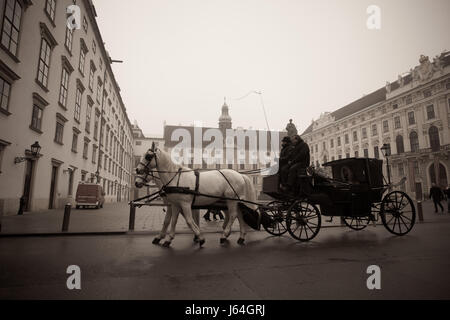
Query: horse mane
170, 166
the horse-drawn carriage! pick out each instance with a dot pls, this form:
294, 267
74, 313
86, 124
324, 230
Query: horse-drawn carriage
356, 192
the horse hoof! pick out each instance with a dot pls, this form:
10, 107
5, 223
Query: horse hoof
166, 244
241, 241
196, 240
223, 240
201, 242
156, 241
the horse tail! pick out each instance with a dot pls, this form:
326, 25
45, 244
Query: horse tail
249, 211
250, 193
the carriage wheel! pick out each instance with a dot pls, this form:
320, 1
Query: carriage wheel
357, 223
303, 221
277, 212
398, 213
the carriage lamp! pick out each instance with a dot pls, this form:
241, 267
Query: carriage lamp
386, 150
34, 153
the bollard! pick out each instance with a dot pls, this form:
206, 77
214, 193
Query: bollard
420, 210
132, 217
66, 220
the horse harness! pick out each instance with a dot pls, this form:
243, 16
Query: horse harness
166, 189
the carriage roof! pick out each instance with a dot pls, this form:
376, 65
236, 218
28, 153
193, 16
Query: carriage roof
362, 170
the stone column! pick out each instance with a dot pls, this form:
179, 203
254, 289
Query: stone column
411, 178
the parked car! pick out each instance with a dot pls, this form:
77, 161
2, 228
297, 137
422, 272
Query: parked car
89, 195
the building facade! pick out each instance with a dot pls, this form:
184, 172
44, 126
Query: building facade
58, 89
142, 144
411, 115
241, 156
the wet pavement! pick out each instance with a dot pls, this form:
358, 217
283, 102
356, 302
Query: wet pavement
114, 217
333, 266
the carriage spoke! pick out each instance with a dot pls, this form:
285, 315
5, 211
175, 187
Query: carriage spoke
277, 213
390, 220
301, 231
306, 231
400, 207
297, 226
305, 216
395, 222
399, 225
403, 221
407, 217
310, 229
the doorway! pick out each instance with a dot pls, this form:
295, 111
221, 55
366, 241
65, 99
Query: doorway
419, 193
442, 174
53, 183
28, 184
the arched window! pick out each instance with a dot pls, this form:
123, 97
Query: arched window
400, 145
435, 143
414, 140
442, 181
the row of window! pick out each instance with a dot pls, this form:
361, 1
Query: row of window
433, 134
14, 9
67, 70
397, 125
430, 115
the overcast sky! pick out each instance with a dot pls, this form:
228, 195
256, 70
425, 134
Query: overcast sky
181, 58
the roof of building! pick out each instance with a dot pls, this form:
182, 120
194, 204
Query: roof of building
373, 98
356, 106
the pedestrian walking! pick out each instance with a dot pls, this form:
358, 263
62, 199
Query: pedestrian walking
447, 194
437, 195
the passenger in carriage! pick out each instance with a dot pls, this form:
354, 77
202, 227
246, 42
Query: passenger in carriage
285, 155
298, 163
348, 176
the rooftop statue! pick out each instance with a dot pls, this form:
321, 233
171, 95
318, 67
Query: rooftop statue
291, 129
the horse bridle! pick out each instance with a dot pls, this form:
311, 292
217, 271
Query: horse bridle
150, 172
147, 170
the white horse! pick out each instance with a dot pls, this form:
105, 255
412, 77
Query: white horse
218, 183
170, 218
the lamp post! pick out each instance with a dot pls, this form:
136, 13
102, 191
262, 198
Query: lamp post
34, 152
30, 155
386, 150
35, 149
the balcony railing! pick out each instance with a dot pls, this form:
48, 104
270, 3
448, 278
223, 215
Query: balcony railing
420, 152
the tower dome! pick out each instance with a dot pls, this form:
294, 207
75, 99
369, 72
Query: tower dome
225, 119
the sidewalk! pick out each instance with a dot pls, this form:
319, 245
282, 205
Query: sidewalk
114, 217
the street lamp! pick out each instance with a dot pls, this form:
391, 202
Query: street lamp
33, 153
386, 150
35, 149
